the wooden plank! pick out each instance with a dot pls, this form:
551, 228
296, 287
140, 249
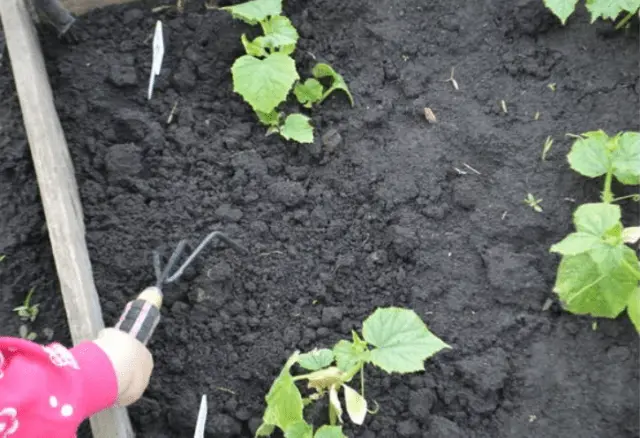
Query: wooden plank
59, 193
80, 7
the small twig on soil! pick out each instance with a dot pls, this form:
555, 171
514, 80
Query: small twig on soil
537, 115
223, 389
504, 215
503, 105
570, 199
471, 169
172, 113
547, 147
461, 172
264, 254
452, 79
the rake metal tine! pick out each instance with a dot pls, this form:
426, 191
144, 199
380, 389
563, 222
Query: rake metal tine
216, 234
157, 268
172, 261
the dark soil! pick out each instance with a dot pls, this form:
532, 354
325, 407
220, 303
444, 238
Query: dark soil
374, 214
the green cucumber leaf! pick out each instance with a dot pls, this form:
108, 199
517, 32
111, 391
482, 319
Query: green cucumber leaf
403, 342
561, 8
308, 92
322, 70
301, 429
610, 9
597, 218
254, 48
271, 119
589, 156
633, 308
297, 127
330, 432
264, 83
576, 243
279, 32
625, 158
284, 401
265, 430
255, 11
316, 359
585, 290
349, 354
599, 233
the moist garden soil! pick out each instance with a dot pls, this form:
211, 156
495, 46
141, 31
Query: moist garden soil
383, 209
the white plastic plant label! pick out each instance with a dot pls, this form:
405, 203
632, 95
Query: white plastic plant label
202, 418
158, 54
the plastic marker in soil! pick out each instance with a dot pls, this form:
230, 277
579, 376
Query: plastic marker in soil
158, 54
202, 418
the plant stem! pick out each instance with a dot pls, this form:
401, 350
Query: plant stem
607, 196
624, 21
622, 198
362, 381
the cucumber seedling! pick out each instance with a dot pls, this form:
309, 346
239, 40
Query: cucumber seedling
599, 274
603, 9
266, 74
393, 339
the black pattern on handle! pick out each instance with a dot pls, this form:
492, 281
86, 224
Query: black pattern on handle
139, 319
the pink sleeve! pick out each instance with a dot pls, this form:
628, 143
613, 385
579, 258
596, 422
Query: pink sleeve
47, 391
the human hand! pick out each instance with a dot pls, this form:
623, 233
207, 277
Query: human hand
132, 363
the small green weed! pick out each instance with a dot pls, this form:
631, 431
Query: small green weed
28, 312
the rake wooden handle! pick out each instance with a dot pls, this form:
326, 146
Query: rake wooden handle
80, 7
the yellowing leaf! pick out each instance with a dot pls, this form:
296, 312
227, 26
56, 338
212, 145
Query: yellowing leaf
633, 309
356, 405
297, 127
323, 379
631, 234
255, 11
334, 403
264, 83
403, 341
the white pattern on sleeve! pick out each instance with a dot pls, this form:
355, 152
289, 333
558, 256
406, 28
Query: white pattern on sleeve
8, 422
60, 356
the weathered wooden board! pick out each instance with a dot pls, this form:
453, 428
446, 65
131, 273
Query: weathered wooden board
80, 7
58, 191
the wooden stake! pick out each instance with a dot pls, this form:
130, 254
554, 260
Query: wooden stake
59, 193
79, 7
